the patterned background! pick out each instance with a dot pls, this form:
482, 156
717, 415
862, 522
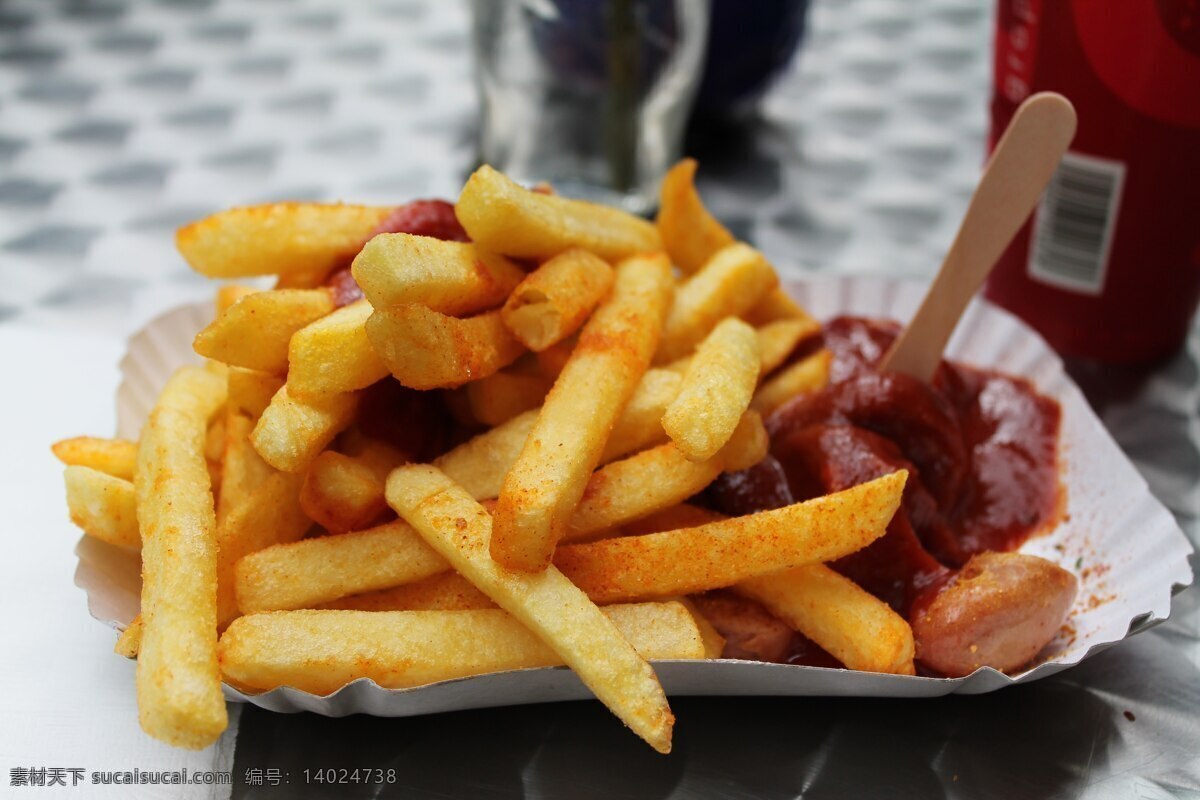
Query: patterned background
121, 120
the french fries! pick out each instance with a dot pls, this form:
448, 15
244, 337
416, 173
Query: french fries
543, 487
729, 283
251, 390
178, 684
255, 331
334, 354
807, 375
114, 457
716, 390
242, 469
553, 301
502, 217
343, 492
285, 239
730, 551
321, 651
291, 432
689, 233
425, 349
446, 591
313, 571
103, 506
230, 293
546, 603
270, 515
777, 306
849, 623
455, 278
130, 639
659, 478
498, 398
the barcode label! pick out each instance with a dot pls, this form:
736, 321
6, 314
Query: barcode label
1073, 229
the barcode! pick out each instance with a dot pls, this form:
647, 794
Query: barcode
1073, 229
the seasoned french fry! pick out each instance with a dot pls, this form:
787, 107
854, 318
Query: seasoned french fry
714, 642
689, 233
103, 506
807, 375
312, 571
345, 493
214, 439
503, 217
546, 603
730, 551
849, 623
446, 591
321, 651
114, 457
283, 239
655, 479
684, 515
270, 515
425, 349
640, 423
775, 306
498, 398
543, 487
334, 354
552, 360
454, 278
242, 469
732, 281
255, 331
230, 293
130, 639
178, 684
716, 390
553, 301
251, 390
291, 432
776, 341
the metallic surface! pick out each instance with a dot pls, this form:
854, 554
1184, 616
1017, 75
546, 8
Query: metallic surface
119, 120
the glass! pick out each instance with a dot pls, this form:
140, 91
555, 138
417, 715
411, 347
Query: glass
591, 97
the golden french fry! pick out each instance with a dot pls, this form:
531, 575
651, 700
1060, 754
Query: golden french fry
321, 651
230, 293
178, 684
849, 623
312, 571
255, 331
214, 439
103, 506
775, 306
503, 217
543, 487
446, 591
242, 469
270, 515
454, 278
344, 493
714, 642
114, 457
546, 603
807, 375
251, 390
551, 360
334, 354
498, 398
689, 233
730, 551
732, 281
292, 431
480, 464
716, 390
425, 349
655, 479
130, 639
553, 301
285, 239
684, 515
777, 340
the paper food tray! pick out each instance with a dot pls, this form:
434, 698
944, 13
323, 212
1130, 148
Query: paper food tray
1131, 555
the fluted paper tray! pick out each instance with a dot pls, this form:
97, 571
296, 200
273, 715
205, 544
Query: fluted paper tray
1129, 553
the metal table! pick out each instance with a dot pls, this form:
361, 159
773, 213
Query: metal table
120, 120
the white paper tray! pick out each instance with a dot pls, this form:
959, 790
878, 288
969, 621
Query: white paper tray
1132, 556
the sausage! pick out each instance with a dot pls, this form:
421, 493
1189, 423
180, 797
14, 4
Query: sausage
999, 611
751, 632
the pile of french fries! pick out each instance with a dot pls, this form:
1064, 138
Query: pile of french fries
613, 368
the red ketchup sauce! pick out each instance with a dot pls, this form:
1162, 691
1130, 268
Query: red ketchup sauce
980, 448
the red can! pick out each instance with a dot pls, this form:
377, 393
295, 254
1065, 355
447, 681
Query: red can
1108, 267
